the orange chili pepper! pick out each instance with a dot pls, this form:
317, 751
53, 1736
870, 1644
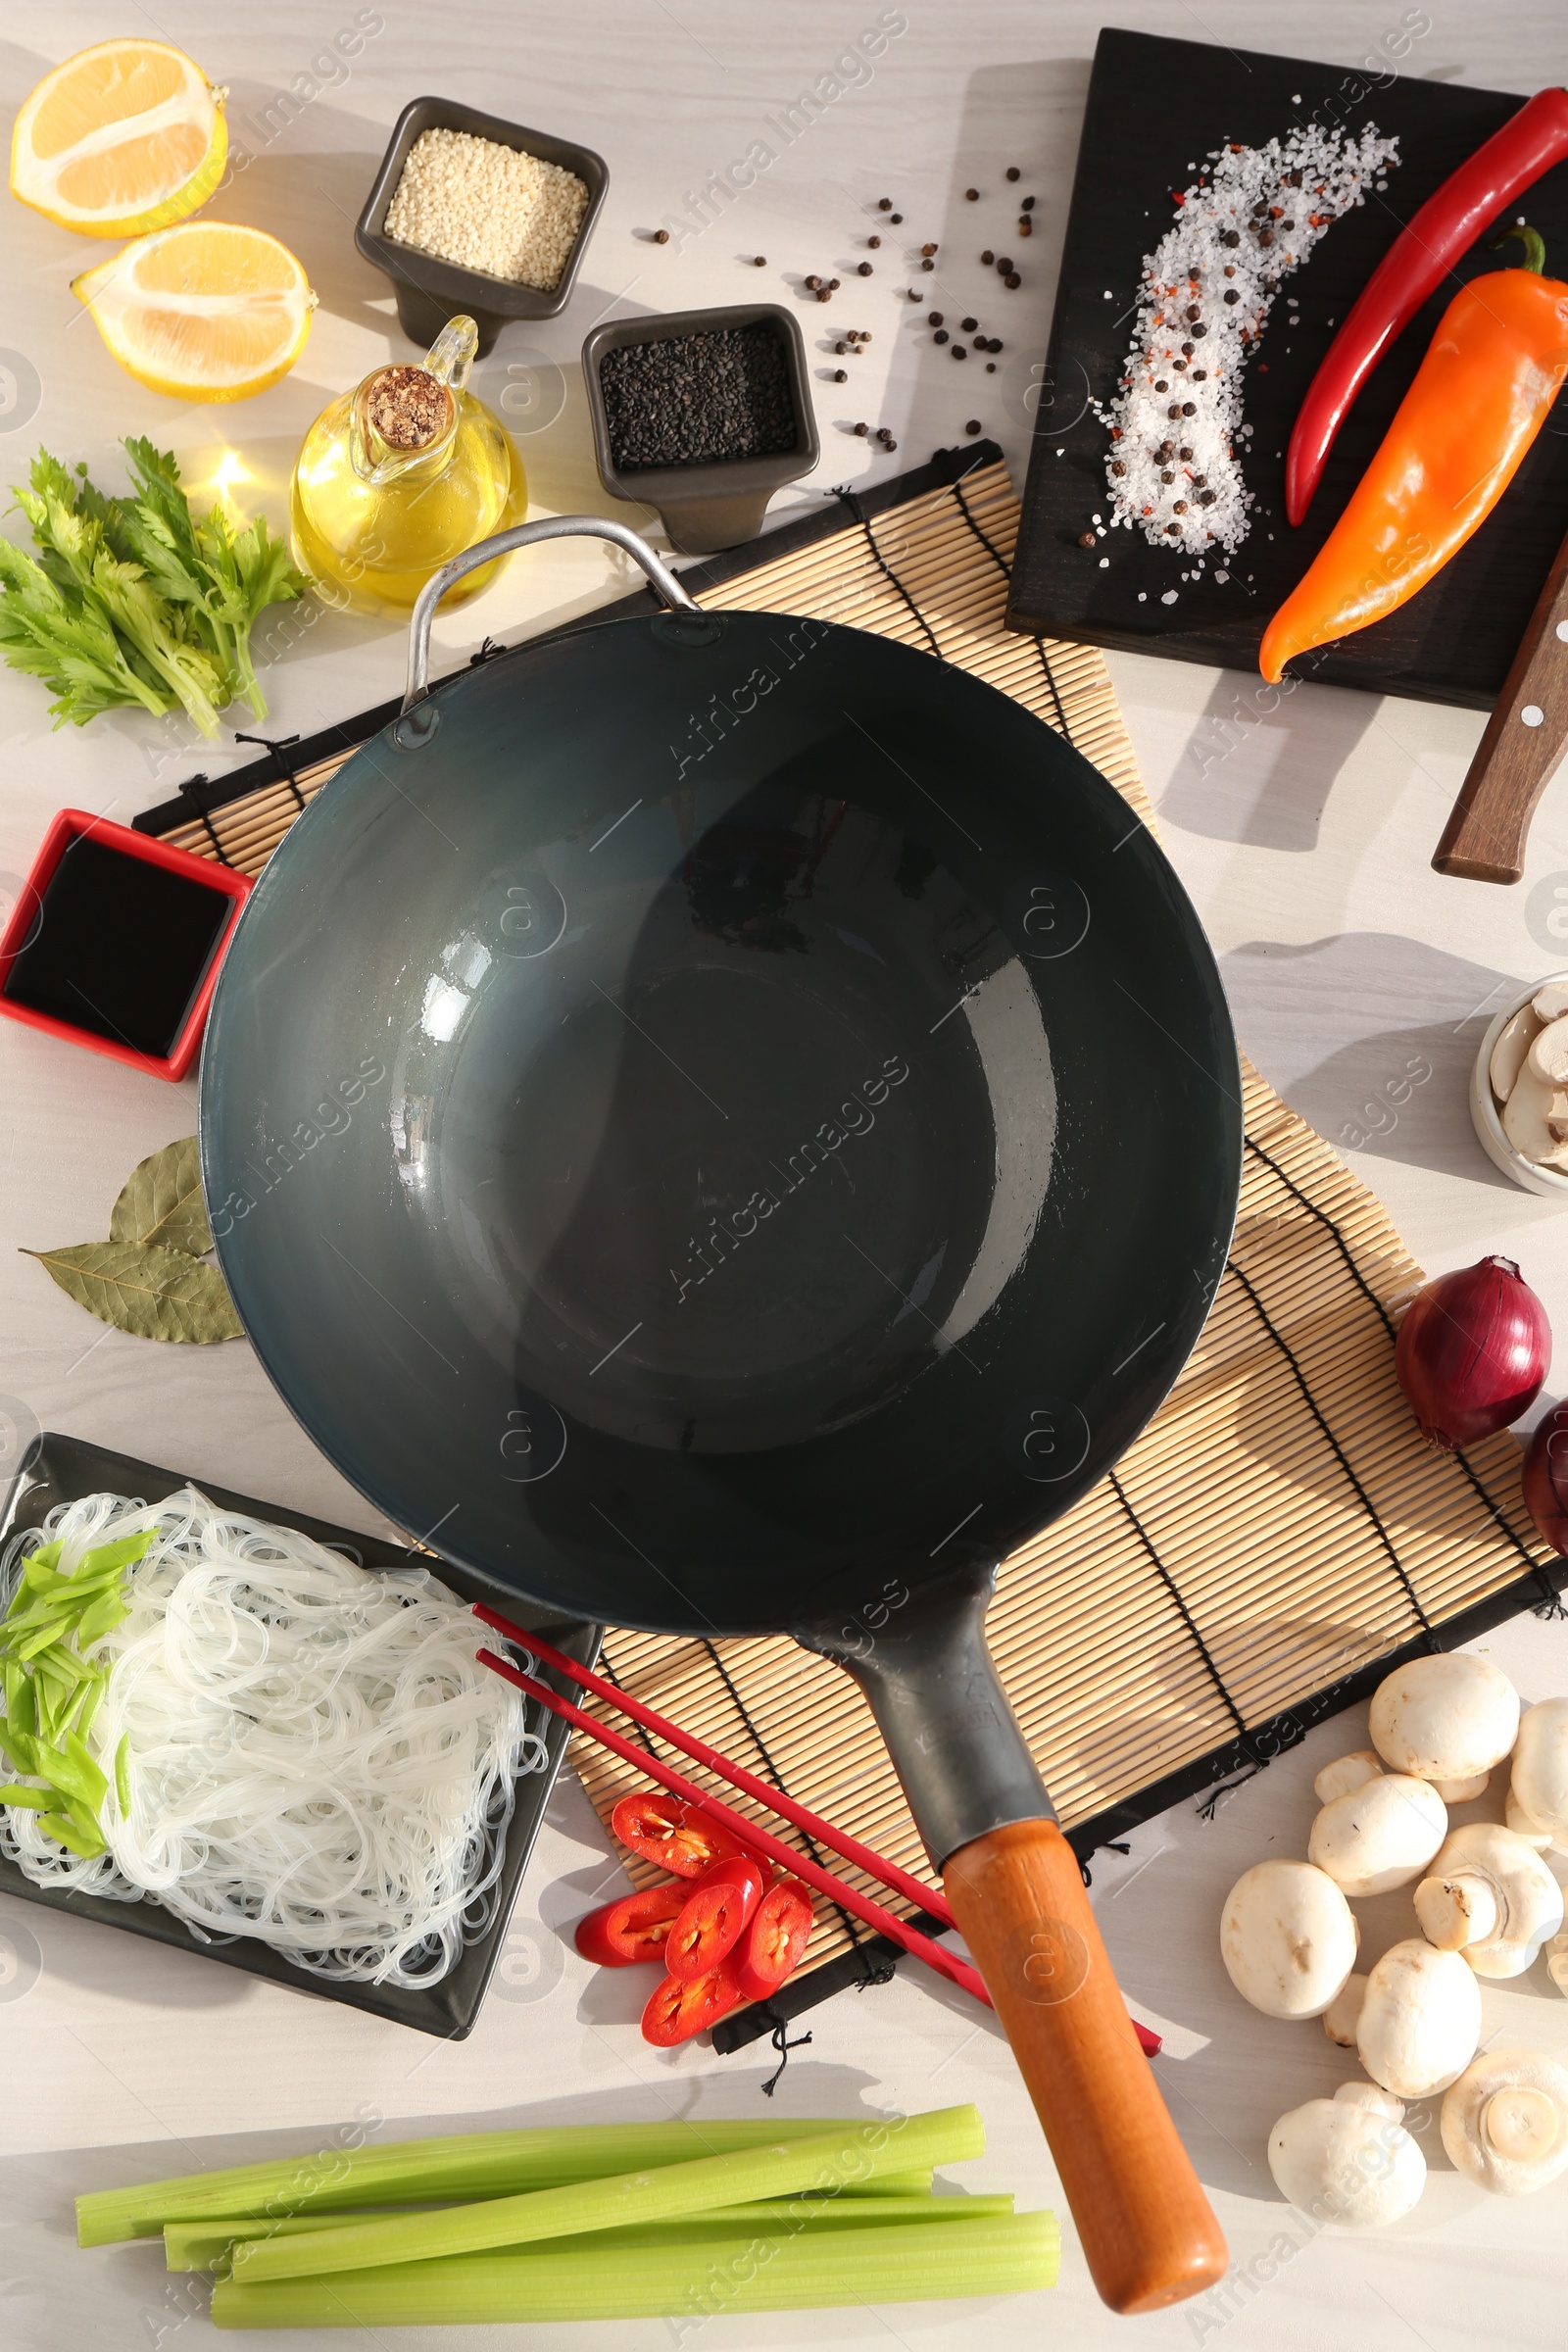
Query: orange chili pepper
1480, 396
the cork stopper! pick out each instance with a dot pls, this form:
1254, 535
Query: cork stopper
407, 407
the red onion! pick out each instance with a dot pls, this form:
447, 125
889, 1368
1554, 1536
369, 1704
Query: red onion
1546, 1477
1473, 1350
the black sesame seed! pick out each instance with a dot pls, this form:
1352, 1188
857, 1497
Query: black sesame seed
865, 269
688, 399
1086, 538
1014, 172
1012, 279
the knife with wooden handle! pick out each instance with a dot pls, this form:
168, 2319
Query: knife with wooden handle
1484, 839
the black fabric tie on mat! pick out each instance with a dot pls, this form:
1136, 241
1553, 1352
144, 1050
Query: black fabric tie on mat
1063, 723
886, 569
780, 2039
197, 793
285, 768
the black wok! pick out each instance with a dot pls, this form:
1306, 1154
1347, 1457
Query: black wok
724, 1124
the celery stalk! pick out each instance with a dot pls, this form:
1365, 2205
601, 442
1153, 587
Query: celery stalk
849, 2152
899, 2263
207, 2245
467, 2163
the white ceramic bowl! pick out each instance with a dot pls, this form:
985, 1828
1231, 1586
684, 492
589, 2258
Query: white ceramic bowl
1483, 1110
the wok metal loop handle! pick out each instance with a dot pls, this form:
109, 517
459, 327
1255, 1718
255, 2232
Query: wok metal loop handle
526, 534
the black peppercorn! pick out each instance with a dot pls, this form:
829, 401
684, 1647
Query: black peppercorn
936, 317
971, 195
1164, 451
865, 269
1028, 203
874, 243
1205, 498
973, 426
1162, 386
941, 336
841, 349
996, 342
824, 294
1180, 507
884, 204
1003, 266
1086, 538
1199, 376
1232, 236
1185, 453
928, 264
760, 262
1116, 467
840, 375
969, 324
1189, 407
1013, 280
1024, 229
865, 335
660, 236
863, 430
896, 217
1230, 294
811, 284
1174, 410
1265, 236
1187, 350
991, 366
1193, 311
1173, 530
987, 257
890, 445
959, 352
928, 249
1014, 172
915, 294
834, 284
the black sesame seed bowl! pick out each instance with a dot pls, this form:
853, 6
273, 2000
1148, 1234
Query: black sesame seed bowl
705, 415
430, 291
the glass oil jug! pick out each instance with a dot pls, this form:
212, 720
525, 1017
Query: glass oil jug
398, 475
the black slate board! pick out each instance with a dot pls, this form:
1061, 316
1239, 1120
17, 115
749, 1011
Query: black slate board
60, 1469
1154, 108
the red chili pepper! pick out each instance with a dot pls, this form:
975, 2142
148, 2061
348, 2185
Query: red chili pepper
779, 1935
677, 2011
635, 1927
1415, 265
714, 1916
677, 1836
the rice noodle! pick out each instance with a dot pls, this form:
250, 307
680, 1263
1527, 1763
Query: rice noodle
316, 1759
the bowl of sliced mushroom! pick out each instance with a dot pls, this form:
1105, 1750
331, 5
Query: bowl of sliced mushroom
1519, 1088
1485, 1905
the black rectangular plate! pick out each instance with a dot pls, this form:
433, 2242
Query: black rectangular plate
1156, 107
61, 1469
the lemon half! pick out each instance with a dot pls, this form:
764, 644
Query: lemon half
205, 310
123, 137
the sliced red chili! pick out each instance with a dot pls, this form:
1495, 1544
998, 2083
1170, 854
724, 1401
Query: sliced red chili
635, 1927
677, 2011
678, 1837
776, 1941
717, 1913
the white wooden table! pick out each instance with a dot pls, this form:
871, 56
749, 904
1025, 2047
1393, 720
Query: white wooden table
1306, 848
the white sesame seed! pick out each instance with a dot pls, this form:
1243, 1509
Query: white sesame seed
487, 207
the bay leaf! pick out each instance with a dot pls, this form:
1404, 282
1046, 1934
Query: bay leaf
162, 1202
154, 1292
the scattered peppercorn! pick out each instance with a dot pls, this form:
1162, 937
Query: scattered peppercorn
882, 434
1189, 407
1187, 350
1014, 172
971, 195
840, 375
1185, 453
863, 430
1230, 294
987, 257
991, 366
811, 284
1086, 538
973, 426
1117, 466
1167, 478
915, 294
896, 217
1205, 498
1265, 236
1232, 237
834, 283
865, 335
1002, 267
969, 324
890, 445
1162, 386
680, 400
1024, 228
760, 262
884, 204
959, 352
660, 236
874, 243
1199, 376
1180, 507
1173, 530
928, 249
864, 268
1013, 280
936, 317
928, 264
824, 294
996, 342
841, 349
1028, 203
1174, 410
941, 336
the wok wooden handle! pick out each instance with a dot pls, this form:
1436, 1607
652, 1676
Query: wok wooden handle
1148, 2233
1484, 839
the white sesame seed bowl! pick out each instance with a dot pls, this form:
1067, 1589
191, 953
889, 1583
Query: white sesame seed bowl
1528, 1174
471, 214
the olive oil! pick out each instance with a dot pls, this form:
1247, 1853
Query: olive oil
399, 476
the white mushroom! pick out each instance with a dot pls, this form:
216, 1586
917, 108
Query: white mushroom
1342, 2015
1506, 2121
1420, 2020
1532, 1115
1540, 1785
1348, 2159
1448, 1719
1514, 1040
1345, 1774
1382, 1836
1550, 1000
1491, 1896
1556, 1965
1288, 1939
1523, 1824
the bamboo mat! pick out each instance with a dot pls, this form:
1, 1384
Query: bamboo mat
1277, 1529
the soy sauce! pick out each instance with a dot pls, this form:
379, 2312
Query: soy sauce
121, 947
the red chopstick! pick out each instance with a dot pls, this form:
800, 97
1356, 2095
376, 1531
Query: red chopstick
799, 1866
929, 1898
